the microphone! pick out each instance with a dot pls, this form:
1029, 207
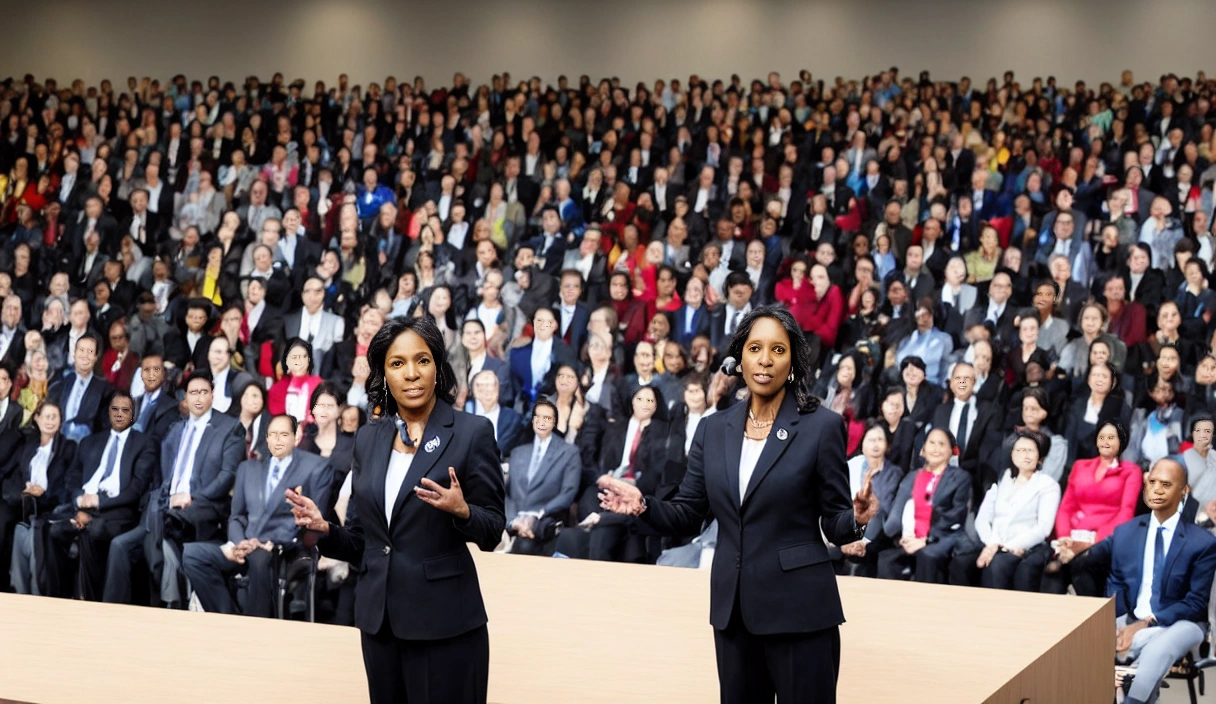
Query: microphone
730, 367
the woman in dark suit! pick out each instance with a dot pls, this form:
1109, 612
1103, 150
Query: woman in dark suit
409, 521
323, 437
774, 603
1103, 400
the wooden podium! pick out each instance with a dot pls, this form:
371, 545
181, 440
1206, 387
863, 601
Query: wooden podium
572, 631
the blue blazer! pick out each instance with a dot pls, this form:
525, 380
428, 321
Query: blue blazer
700, 324
521, 369
1189, 566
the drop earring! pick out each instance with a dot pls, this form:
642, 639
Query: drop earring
791, 377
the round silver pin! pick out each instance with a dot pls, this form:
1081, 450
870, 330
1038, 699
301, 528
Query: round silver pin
781, 434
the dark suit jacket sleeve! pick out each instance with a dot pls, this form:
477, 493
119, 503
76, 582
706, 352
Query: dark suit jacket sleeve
1103, 553
571, 470
685, 513
231, 451
956, 513
238, 520
320, 484
835, 502
893, 527
345, 543
74, 479
142, 468
483, 489
1194, 607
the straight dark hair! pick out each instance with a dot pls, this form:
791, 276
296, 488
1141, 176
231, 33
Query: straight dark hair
377, 351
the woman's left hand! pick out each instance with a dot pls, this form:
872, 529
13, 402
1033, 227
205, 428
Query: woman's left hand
450, 499
865, 504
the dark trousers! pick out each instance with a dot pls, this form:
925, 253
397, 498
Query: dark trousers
612, 541
1086, 574
208, 571
93, 545
799, 668
1006, 571
127, 552
452, 670
10, 516
930, 564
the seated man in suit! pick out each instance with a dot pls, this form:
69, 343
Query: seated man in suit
725, 320
550, 244
107, 480
81, 393
261, 518
507, 423
1161, 578
589, 261
533, 366
574, 313
11, 413
312, 322
975, 426
158, 408
473, 340
542, 481
189, 500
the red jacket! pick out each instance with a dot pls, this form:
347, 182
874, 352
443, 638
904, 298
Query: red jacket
828, 313
800, 302
1098, 506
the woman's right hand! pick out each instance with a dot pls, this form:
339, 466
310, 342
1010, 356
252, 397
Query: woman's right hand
305, 511
619, 496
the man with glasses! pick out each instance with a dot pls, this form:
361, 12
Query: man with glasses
311, 322
542, 482
261, 519
198, 463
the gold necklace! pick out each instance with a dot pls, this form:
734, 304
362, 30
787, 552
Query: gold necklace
758, 423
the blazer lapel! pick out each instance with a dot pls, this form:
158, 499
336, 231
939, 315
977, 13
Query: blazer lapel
785, 424
255, 487
1177, 545
377, 465
1133, 581
736, 419
435, 441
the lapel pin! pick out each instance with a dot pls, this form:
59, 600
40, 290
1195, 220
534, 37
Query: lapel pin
432, 444
781, 434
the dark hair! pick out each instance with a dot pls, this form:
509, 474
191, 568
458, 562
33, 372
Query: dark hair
119, 393
660, 404
377, 351
1116, 387
474, 320
200, 375
295, 424
949, 436
449, 317
8, 368
325, 387
1200, 418
302, 344
1120, 431
1041, 443
738, 278
544, 402
802, 367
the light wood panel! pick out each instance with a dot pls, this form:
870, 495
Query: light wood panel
567, 630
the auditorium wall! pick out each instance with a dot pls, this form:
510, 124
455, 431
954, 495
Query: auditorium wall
633, 39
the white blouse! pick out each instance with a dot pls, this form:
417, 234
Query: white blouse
747, 462
398, 467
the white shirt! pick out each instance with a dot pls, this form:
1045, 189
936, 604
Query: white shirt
1144, 600
182, 485
283, 465
995, 311
111, 486
1018, 516
488, 318
1135, 278
1091, 411
154, 196
956, 414
702, 200
567, 317
492, 416
816, 227
754, 275
630, 433
456, 234
38, 464
542, 359
690, 426
1063, 247
398, 467
597, 385
584, 265
65, 186
445, 206
255, 315
660, 197
310, 325
6, 339
476, 364
220, 400
747, 462
539, 455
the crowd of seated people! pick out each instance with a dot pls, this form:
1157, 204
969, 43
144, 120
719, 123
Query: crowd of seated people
1006, 286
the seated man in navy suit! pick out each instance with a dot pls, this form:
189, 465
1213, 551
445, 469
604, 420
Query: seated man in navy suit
534, 366
543, 481
485, 403
573, 313
81, 393
261, 518
1161, 578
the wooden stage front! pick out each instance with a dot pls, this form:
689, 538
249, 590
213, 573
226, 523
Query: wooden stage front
571, 631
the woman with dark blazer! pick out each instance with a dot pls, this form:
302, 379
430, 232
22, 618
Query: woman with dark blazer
323, 437
425, 482
249, 407
35, 480
901, 430
861, 557
921, 397
771, 470
1104, 400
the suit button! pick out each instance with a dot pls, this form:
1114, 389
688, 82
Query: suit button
387, 549
738, 562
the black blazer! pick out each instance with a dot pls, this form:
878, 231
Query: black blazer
679, 325
770, 559
951, 501
12, 416
136, 466
17, 470
981, 436
92, 411
435, 592
164, 415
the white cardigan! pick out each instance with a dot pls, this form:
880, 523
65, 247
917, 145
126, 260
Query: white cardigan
1018, 517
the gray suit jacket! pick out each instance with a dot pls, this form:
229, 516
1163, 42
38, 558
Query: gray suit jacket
268, 518
555, 485
329, 333
215, 461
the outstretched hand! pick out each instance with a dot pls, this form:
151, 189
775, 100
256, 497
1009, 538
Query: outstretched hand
865, 504
619, 496
450, 499
305, 511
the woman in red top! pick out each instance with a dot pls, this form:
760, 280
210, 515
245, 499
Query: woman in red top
291, 394
797, 294
119, 363
1101, 495
829, 308
630, 314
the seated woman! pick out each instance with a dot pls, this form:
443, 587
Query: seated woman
921, 397
323, 437
1099, 353
1167, 367
1053, 330
1101, 494
1195, 300
1028, 346
292, 392
1013, 523
872, 465
901, 430
928, 515
1156, 432
846, 389
35, 484
1034, 418
1074, 358
1104, 401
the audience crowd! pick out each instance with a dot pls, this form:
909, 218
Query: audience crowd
1007, 285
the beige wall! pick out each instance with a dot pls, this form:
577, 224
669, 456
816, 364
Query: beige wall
635, 39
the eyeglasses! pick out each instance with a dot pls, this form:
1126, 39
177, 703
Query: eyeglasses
199, 392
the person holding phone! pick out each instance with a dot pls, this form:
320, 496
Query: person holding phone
772, 471
425, 481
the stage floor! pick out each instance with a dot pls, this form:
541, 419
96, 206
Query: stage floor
572, 631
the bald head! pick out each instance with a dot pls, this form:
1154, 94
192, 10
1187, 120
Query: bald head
1165, 487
